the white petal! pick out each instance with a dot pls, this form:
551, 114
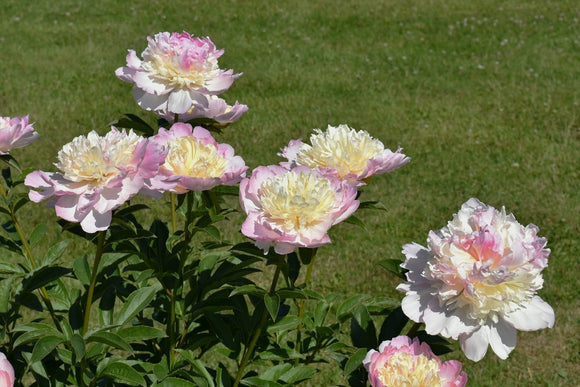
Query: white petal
94, 221
537, 314
475, 345
503, 338
149, 101
179, 101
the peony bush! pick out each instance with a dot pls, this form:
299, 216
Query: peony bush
164, 299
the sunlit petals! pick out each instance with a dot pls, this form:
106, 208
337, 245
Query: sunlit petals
6, 372
288, 209
345, 153
407, 362
98, 174
477, 280
211, 107
15, 132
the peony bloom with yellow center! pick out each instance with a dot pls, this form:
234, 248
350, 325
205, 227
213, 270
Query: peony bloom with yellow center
406, 362
345, 153
477, 280
15, 132
293, 208
195, 161
98, 174
176, 71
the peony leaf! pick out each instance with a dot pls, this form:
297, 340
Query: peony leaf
44, 346
272, 303
355, 361
393, 324
123, 373
135, 303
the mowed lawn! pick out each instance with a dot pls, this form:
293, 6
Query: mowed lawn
484, 96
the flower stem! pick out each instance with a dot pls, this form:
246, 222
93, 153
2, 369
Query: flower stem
256, 336
301, 307
173, 215
98, 254
413, 331
28, 254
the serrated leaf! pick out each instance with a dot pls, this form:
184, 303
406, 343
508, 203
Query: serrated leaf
272, 303
123, 373
135, 303
44, 346
110, 339
355, 361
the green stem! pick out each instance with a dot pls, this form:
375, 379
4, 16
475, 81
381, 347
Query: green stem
301, 307
98, 255
173, 215
28, 254
256, 336
413, 330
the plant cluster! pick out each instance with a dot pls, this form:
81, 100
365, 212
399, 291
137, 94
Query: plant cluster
172, 302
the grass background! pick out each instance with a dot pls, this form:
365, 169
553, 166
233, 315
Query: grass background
483, 95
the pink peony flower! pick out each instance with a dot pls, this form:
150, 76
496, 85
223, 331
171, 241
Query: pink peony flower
196, 161
6, 372
98, 174
176, 72
15, 133
293, 208
345, 153
477, 280
403, 361
211, 107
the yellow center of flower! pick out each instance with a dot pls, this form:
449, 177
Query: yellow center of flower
96, 159
296, 201
189, 157
407, 370
170, 69
340, 148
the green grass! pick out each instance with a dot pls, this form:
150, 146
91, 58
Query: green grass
483, 95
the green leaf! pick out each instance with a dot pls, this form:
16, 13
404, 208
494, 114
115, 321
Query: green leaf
44, 346
140, 333
355, 361
37, 234
272, 303
9, 244
347, 305
197, 366
248, 289
175, 382
78, 345
393, 324
284, 324
123, 373
298, 374
356, 221
362, 329
374, 205
394, 267
131, 121
274, 373
42, 276
11, 161
6, 288
82, 270
111, 339
256, 381
135, 303
55, 251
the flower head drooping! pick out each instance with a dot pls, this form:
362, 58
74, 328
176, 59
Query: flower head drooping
293, 208
477, 280
196, 161
177, 71
15, 133
345, 153
406, 362
98, 174
211, 107
6, 372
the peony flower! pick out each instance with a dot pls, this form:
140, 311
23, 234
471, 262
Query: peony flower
176, 72
98, 174
293, 208
210, 107
345, 153
403, 362
15, 133
6, 372
196, 160
477, 280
